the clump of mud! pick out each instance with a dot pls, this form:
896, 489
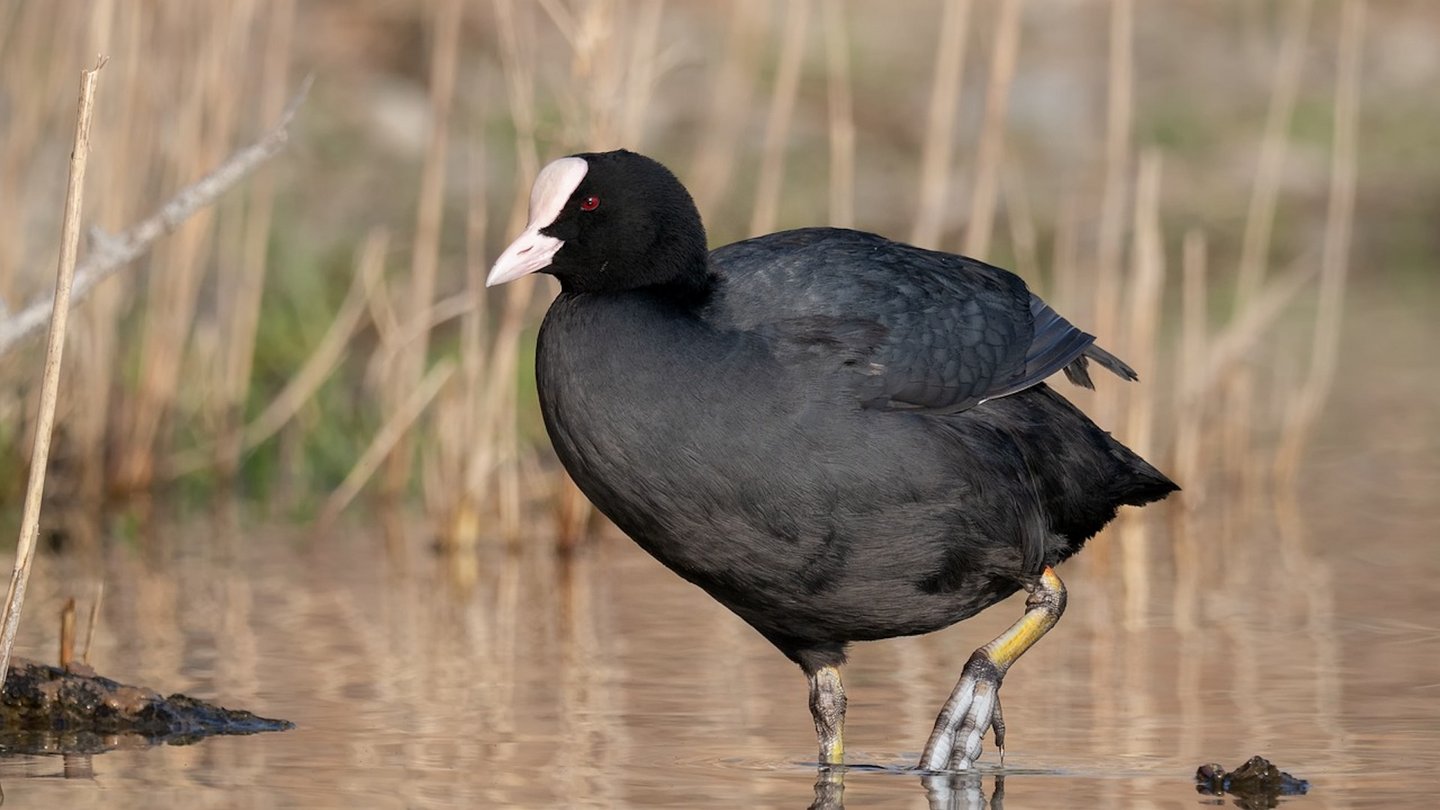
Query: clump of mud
1255, 785
51, 710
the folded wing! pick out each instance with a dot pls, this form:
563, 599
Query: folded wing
907, 328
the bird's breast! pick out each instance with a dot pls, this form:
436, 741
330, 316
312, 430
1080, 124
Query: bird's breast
635, 412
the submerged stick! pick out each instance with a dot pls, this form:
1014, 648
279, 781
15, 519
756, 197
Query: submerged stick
50, 382
67, 633
94, 620
109, 253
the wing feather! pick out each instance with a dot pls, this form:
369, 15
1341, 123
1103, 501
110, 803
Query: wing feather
905, 328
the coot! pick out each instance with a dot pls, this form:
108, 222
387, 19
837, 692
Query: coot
839, 437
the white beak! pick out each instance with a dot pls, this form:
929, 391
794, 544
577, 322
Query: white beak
532, 251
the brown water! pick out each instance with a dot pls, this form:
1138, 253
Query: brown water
1308, 634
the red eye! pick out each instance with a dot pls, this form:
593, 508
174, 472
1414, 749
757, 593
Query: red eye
590, 203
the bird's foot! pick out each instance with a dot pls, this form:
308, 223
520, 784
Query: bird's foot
972, 710
974, 705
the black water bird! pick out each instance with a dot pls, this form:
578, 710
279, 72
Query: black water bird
839, 437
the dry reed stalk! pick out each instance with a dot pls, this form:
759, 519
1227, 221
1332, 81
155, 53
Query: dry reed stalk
841, 116
599, 73
207, 403
1238, 428
1235, 446
203, 129
317, 368
451, 473
398, 425
456, 419
712, 167
497, 440
93, 623
441, 312
1141, 340
1188, 426
381, 310
990, 152
1274, 144
945, 87
777, 124
248, 286
95, 341
30, 77
1065, 264
520, 95
564, 21
50, 382
429, 216
1194, 307
1145, 285
475, 323
1335, 256
573, 516
1024, 236
642, 74
1118, 122
1241, 335
67, 633
595, 74
496, 452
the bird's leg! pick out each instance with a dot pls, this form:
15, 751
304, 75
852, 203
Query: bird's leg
827, 706
974, 705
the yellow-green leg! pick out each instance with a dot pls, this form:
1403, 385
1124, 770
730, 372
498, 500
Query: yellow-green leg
827, 706
974, 705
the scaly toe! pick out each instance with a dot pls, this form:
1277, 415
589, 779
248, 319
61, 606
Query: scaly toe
997, 723
970, 735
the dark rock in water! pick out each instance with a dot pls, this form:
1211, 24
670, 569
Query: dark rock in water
1256, 784
51, 710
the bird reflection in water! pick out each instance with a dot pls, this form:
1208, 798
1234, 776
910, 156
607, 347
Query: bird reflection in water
961, 790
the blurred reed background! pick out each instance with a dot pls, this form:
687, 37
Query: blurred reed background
1198, 183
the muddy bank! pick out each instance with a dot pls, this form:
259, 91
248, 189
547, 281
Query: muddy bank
48, 709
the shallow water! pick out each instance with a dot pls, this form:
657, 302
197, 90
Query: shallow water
1305, 632
608, 682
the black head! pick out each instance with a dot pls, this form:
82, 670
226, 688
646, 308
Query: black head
607, 222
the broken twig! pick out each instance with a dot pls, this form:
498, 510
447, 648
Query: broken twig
50, 381
109, 253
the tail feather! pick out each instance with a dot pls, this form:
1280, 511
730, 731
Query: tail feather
1082, 474
1111, 362
1078, 372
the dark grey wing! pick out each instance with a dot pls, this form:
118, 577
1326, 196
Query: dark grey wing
1059, 345
907, 328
